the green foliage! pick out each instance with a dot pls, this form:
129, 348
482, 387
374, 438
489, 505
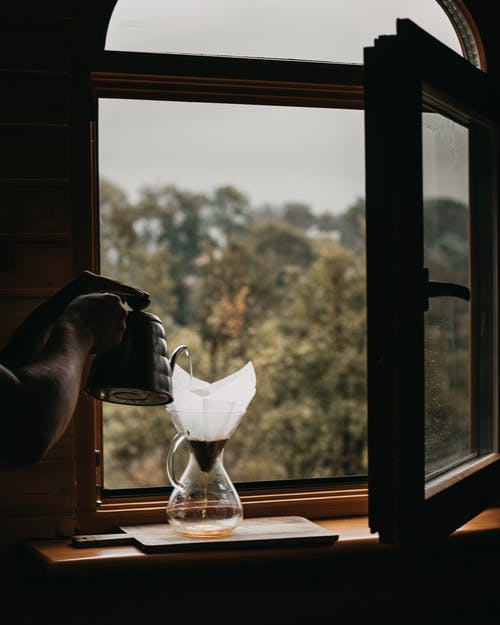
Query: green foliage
350, 225
283, 245
230, 297
229, 212
298, 215
281, 287
317, 387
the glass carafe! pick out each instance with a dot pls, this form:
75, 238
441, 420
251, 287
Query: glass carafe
204, 502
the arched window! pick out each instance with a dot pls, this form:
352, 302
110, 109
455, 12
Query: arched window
320, 30
229, 152
323, 30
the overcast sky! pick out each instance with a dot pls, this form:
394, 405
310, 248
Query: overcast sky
273, 154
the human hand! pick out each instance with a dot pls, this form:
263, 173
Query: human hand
88, 282
98, 316
30, 338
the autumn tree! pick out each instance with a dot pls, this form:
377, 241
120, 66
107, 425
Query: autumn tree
312, 396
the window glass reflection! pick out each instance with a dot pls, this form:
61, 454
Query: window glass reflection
448, 428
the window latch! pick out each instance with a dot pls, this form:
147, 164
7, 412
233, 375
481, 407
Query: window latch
442, 289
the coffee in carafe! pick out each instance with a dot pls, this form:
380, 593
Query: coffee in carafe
206, 452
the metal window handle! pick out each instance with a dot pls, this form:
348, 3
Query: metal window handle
440, 289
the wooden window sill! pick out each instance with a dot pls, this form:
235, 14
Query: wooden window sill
60, 558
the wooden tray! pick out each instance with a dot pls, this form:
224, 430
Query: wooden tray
281, 531
258, 532
254, 532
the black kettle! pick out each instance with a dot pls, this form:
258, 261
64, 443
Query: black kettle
138, 371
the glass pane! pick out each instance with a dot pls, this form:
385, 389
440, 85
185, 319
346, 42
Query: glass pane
448, 436
448, 430
246, 224
329, 30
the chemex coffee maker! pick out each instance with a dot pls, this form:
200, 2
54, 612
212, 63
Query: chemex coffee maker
138, 371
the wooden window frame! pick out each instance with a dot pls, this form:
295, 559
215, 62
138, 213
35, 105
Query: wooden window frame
404, 73
208, 79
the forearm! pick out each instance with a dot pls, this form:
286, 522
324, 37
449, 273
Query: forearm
46, 394
28, 340
41, 367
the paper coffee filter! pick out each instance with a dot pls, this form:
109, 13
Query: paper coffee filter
210, 411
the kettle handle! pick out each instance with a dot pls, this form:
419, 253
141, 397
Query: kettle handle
176, 353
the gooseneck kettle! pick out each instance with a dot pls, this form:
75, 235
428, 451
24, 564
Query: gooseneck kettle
138, 371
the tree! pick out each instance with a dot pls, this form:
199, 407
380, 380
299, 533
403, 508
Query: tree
118, 236
284, 247
316, 373
128, 254
171, 217
230, 298
298, 214
240, 288
351, 226
228, 214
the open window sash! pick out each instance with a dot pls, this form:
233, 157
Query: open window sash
433, 436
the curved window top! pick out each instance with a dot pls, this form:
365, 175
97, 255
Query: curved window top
323, 30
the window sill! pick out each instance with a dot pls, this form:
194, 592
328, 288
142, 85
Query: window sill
55, 558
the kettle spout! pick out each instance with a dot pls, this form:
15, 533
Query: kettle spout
176, 353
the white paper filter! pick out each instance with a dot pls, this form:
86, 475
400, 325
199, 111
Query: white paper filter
210, 411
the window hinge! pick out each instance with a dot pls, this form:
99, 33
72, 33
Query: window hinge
97, 453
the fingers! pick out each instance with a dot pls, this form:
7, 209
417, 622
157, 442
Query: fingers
95, 282
101, 314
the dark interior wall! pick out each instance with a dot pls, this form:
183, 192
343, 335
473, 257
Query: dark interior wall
36, 233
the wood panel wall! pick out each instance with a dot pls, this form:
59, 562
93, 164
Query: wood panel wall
35, 232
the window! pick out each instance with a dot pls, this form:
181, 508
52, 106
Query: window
272, 276
431, 149
180, 90
275, 276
